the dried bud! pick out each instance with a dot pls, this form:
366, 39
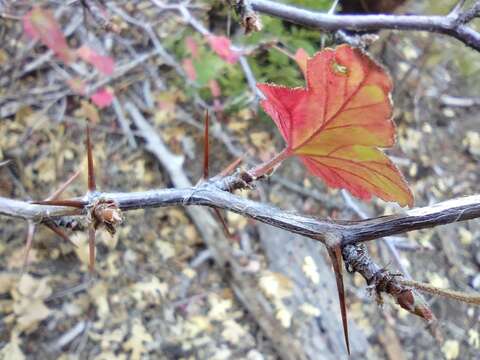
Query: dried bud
106, 212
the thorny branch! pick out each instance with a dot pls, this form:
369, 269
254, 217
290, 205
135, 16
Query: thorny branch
216, 193
455, 24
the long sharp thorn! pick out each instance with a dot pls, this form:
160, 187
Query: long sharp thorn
335, 254
62, 188
91, 173
206, 149
71, 203
91, 248
3, 163
28, 244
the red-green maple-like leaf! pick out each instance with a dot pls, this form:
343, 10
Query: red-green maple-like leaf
337, 124
40, 24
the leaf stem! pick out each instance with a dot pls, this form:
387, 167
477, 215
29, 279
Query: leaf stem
269, 165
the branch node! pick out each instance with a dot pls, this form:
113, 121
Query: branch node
105, 212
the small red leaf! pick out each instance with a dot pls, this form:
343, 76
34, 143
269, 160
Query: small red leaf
104, 64
40, 24
301, 57
103, 98
215, 88
189, 69
192, 46
223, 48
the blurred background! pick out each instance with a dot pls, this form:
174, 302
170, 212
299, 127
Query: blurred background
170, 284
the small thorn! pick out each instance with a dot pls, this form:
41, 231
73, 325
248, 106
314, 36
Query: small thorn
231, 167
56, 194
335, 254
70, 203
91, 172
224, 224
91, 248
206, 149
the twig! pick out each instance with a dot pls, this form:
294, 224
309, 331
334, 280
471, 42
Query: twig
382, 281
215, 193
453, 24
117, 107
69, 335
456, 101
469, 298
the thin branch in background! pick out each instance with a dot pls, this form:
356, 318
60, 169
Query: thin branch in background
457, 8
4, 163
457, 101
91, 171
117, 107
454, 24
100, 15
333, 8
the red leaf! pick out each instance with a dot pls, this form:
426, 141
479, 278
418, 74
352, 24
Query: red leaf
40, 24
223, 48
301, 57
103, 98
338, 122
214, 88
192, 46
189, 69
104, 64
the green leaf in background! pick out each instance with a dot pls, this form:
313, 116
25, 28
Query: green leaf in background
208, 67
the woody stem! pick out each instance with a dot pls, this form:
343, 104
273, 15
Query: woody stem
269, 165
